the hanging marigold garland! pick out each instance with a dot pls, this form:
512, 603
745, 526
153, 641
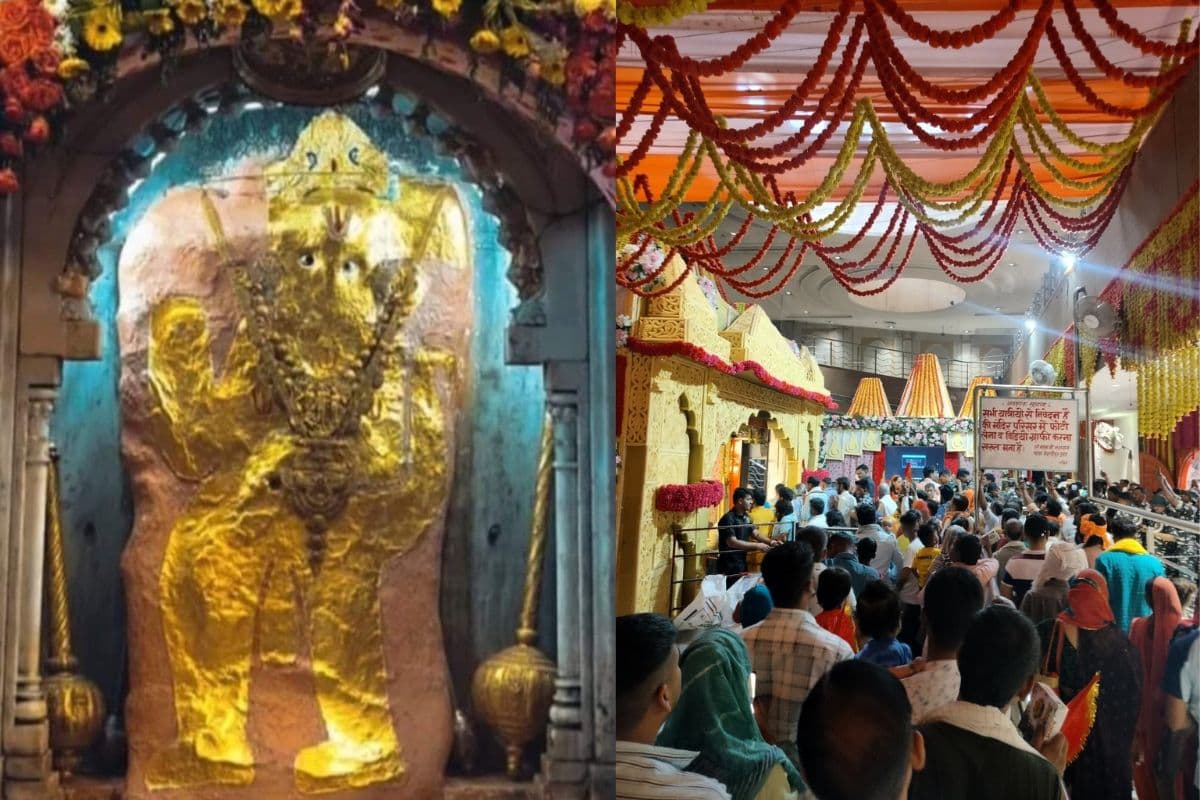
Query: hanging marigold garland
1018, 123
1156, 296
58, 53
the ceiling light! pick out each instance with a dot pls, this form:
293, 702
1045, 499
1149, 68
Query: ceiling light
1030, 323
805, 311
788, 293
966, 331
997, 308
1068, 260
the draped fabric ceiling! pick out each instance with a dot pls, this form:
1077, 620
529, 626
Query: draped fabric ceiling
1070, 86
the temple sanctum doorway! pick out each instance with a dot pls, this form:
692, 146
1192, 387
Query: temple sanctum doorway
293, 382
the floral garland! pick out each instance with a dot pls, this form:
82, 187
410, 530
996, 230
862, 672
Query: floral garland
657, 15
900, 431
682, 498
58, 53
747, 174
701, 356
624, 326
710, 291
819, 474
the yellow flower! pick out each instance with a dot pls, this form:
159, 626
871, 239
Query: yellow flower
342, 26
554, 73
485, 41
514, 41
229, 13
447, 8
72, 67
191, 12
279, 9
585, 7
159, 22
102, 28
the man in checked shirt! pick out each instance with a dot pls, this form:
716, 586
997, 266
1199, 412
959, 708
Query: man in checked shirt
789, 651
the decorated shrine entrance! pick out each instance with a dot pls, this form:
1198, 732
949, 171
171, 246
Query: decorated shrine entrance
281, 329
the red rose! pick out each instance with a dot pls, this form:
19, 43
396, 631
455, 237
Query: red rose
15, 46
39, 131
8, 182
602, 103
595, 22
580, 67
41, 26
45, 60
13, 16
585, 131
42, 95
607, 140
13, 110
10, 145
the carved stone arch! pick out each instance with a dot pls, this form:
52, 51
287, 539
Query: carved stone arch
92, 229
789, 448
529, 181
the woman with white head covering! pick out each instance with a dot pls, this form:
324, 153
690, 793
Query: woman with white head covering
1048, 597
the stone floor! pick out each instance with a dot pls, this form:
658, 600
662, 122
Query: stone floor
482, 788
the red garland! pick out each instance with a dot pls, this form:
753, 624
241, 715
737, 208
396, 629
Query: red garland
819, 474
701, 356
681, 498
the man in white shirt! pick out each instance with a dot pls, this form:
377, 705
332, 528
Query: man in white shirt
816, 510
648, 684
953, 597
811, 490
887, 504
929, 484
888, 559
845, 500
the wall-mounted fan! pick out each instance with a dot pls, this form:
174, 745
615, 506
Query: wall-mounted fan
1094, 318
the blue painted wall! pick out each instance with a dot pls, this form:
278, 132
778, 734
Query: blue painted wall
489, 516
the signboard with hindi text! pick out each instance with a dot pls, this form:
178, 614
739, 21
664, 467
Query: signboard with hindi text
1028, 434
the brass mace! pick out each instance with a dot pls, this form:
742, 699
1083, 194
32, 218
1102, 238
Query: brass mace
513, 689
75, 704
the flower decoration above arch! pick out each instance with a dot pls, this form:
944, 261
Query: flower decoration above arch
59, 53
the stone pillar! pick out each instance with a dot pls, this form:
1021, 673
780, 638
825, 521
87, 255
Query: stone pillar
566, 745
579, 386
27, 772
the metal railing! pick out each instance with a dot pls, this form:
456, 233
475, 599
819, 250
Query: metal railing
1179, 526
893, 363
692, 560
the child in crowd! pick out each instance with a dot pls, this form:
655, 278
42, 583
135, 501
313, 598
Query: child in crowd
833, 587
878, 619
867, 548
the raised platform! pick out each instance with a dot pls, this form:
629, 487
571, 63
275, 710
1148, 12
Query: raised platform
493, 787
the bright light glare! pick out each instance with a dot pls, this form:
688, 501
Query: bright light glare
1030, 323
1068, 260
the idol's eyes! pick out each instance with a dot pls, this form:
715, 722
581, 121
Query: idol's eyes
349, 267
312, 159
307, 260
353, 156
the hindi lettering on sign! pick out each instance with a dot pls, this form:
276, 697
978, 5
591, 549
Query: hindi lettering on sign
1028, 434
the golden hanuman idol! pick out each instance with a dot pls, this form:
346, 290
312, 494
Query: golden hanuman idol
320, 450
